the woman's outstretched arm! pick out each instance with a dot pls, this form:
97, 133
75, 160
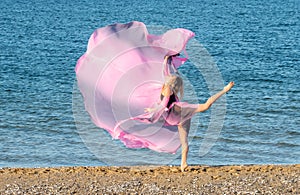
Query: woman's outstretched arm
212, 99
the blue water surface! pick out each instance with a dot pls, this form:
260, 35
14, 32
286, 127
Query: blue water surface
254, 43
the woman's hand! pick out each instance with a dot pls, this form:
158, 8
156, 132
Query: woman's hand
228, 86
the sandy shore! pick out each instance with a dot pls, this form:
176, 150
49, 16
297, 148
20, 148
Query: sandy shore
250, 179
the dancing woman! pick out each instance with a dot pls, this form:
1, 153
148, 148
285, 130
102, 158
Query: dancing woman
118, 77
179, 114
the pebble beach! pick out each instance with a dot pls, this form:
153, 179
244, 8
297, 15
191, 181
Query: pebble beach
198, 179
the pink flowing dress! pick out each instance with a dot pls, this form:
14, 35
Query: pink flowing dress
122, 73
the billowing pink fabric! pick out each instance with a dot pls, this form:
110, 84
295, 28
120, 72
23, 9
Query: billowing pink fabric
122, 73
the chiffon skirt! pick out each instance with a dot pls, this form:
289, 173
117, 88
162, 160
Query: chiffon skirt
121, 74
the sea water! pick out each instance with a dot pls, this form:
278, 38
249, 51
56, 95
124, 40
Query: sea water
254, 43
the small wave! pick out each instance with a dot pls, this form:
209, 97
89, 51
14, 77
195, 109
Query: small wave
236, 141
286, 144
264, 80
293, 133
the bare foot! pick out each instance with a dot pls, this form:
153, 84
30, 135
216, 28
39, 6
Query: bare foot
229, 86
183, 167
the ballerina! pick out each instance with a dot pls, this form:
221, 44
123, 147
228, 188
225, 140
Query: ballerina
123, 72
180, 113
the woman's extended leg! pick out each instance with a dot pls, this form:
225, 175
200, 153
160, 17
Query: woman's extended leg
212, 99
183, 130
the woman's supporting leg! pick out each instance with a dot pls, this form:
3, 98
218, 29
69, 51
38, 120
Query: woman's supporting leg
183, 130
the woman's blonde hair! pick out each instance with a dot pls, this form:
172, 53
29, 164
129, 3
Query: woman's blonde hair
176, 84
